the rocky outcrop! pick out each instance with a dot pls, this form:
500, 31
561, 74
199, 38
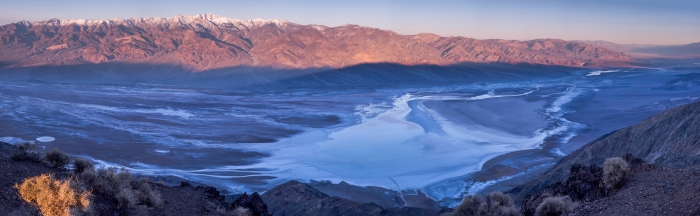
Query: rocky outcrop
207, 42
253, 203
296, 198
583, 184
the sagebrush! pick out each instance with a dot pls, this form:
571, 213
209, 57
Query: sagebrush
615, 172
469, 206
82, 164
496, 203
555, 206
57, 159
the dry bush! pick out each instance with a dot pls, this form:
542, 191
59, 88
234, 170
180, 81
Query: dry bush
149, 196
88, 177
82, 164
57, 159
469, 206
495, 203
615, 172
122, 186
52, 196
26, 151
500, 204
126, 198
555, 206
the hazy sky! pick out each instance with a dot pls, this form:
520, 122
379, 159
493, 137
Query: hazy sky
620, 21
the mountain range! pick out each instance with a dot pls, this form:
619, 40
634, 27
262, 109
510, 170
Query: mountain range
207, 42
651, 51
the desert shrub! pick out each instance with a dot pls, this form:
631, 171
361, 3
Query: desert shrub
469, 206
26, 151
495, 203
88, 177
500, 204
148, 195
122, 186
53, 197
126, 198
555, 206
82, 164
105, 180
615, 172
57, 159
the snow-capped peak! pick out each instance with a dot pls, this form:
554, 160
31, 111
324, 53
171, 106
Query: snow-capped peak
203, 19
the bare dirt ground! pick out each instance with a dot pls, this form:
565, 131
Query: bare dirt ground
659, 191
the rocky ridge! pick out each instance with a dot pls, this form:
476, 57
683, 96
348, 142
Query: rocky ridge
668, 140
296, 198
206, 42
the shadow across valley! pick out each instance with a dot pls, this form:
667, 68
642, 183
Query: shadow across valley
364, 75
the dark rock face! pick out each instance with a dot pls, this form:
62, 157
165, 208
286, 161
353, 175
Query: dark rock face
185, 184
254, 203
380, 196
211, 192
584, 183
296, 198
383, 197
668, 139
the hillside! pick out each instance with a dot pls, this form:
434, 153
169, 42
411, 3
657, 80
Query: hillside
206, 42
668, 139
658, 191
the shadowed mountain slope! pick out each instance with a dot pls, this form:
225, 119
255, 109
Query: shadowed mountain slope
363, 75
668, 139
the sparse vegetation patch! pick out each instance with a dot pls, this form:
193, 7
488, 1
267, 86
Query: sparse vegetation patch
26, 151
126, 190
496, 203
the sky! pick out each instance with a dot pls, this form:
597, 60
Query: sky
620, 21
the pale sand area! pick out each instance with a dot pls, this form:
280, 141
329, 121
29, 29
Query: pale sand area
511, 115
516, 117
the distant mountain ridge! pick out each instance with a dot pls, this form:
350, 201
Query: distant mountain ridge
206, 41
645, 50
